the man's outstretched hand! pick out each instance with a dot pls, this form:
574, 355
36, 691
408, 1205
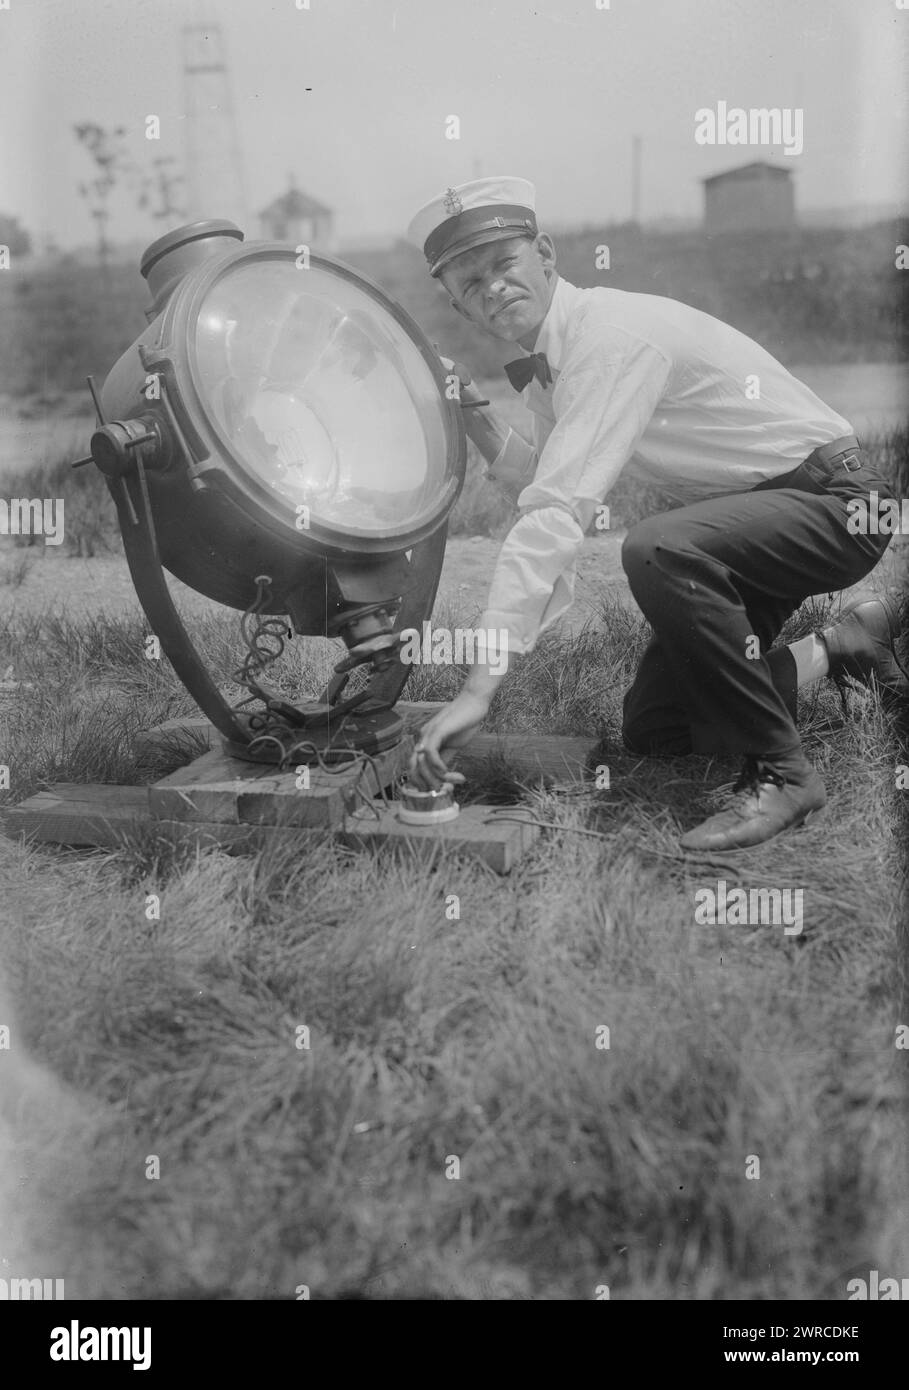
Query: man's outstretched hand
453, 726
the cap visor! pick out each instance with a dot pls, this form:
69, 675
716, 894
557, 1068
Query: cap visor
478, 239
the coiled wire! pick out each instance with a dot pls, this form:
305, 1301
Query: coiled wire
265, 637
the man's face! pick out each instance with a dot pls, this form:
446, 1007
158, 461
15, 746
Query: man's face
504, 287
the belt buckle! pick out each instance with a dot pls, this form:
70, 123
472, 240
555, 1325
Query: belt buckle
851, 461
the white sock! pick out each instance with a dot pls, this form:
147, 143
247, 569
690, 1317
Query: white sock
811, 659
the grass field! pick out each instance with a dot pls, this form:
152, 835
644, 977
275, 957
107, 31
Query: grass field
432, 1039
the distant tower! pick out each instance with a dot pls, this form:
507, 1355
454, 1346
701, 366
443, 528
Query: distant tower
214, 173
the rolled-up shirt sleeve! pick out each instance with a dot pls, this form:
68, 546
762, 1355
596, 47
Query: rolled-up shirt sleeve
533, 582
608, 388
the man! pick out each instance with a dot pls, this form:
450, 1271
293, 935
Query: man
766, 470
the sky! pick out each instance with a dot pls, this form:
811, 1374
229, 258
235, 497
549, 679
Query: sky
352, 98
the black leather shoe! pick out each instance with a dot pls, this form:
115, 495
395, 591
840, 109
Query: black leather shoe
761, 805
860, 646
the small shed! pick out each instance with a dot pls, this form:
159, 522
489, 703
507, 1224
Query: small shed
299, 218
754, 197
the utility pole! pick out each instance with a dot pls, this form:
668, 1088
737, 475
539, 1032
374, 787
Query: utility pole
214, 174
636, 144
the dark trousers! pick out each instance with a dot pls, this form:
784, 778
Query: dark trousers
711, 577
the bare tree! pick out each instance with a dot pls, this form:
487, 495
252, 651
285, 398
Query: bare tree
107, 150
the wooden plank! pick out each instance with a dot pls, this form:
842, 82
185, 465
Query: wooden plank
207, 789
220, 789
532, 758
78, 815
275, 799
529, 758
100, 816
498, 836
499, 843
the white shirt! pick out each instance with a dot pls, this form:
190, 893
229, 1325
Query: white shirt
695, 406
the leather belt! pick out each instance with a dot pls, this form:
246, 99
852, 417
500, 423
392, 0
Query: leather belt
846, 448
815, 472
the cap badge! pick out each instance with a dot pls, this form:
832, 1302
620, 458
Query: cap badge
452, 202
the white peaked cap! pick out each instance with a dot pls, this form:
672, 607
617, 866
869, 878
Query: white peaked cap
473, 213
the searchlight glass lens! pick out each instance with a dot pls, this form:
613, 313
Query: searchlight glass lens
321, 393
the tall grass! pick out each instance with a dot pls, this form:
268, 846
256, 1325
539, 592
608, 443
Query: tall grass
474, 1039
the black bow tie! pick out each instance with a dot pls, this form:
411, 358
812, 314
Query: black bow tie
522, 371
